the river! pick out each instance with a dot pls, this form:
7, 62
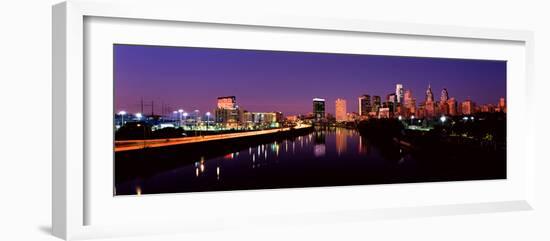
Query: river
324, 157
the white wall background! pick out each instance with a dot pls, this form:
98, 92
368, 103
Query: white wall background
25, 114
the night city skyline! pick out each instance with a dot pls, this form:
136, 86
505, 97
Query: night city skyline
192, 78
227, 119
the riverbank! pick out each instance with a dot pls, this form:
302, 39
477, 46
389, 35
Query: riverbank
130, 145
144, 162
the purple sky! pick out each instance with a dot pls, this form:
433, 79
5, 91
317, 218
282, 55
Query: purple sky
192, 78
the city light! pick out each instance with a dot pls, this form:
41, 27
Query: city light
139, 115
443, 119
122, 113
400, 117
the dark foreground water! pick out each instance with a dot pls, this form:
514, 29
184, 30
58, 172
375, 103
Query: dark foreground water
328, 157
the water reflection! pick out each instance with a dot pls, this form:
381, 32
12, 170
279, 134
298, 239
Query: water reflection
328, 156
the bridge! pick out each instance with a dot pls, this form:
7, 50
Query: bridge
129, 145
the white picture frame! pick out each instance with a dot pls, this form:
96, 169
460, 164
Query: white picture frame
72, 190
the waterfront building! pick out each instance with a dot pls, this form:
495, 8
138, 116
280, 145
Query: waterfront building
227, 102
341, 110
318, 109
364, 105
377, 103
227, 112
384, 113
399, 93
353, 116
292, 118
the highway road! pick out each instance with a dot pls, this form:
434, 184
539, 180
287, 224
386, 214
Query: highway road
128, 145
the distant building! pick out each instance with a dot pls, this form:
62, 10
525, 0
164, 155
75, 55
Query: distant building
341, 110
444, 95
429, 105
443, 107
429, 94
399, 93
377, 103
409, 104
227, 111
384, 112
354, 116
502, 105
227, 102
467, 107
364, 105
318, 109
256, 119
488, 108
451, 103
292, 118
392, 103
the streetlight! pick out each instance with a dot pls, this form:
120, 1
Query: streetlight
175, 115
443, 119
207, 119
180, 111
184, 118
400, 117
122, 113
196, 118
139, 115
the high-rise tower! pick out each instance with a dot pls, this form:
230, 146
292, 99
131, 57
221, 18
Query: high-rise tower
341, 110
399, 92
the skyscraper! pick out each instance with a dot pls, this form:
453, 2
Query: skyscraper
429, 104
409, 103
429, 94
391, 99
443, 105
399, 92
364, 105
467, 107
341, 110
452, 106
444, 95
318, 109
377, 103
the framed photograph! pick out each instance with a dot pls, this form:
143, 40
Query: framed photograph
265, 119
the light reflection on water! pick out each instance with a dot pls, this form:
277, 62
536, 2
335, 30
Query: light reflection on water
317, 155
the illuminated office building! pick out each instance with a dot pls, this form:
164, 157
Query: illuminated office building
318, 109
227, 111
399, 92
364, 105
341, 110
